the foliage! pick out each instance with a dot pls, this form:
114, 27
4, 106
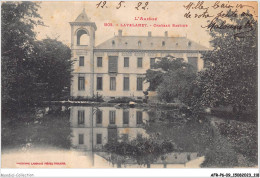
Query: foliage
231, 78
123, 100
31, 70
96, 98
143, 150
51, 129
172, 78
17, 43
53, 67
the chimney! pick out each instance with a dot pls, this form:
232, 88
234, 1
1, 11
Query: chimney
119, 32
149, 34
166, 33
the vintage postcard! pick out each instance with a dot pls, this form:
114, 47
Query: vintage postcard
129, 84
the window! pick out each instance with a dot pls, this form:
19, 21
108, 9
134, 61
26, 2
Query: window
81, 139
139, 117
112, 64
112, 117
139, 43
139, 62
99, 83
126, 83
99, 62
81, 61
81, 117
113, 43
125, 117
99, 117
81, 83
152, 62
126, 61
112, 83
193, 61
99, 138
163, 43
139, 83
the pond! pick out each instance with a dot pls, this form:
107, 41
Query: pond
113, 137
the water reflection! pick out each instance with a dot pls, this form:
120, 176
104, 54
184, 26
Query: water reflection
106, 137
93, 128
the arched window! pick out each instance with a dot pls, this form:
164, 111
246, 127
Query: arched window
139, 43
82, 37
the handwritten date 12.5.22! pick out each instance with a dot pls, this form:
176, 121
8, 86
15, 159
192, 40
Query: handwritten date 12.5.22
138, 6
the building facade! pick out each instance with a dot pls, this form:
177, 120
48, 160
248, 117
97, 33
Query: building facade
117, 67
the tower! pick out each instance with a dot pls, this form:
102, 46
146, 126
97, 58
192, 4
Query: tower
82, 45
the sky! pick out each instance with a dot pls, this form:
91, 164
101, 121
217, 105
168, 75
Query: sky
57, 15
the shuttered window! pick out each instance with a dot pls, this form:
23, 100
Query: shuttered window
99, 138
193, 61
126, 83
99, 116
81, 61
99, 62
112, 117
81, 83
112, 83
139, 62
139, 117
81, 117
112, 64
126, 61
139, 83
125, 117
152, 62
99, 83
81, 139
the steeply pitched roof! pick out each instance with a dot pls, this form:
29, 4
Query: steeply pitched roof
150, 43
82, 17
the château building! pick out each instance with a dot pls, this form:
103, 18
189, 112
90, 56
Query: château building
116, 67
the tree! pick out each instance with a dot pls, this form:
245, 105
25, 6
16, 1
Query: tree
171, 78
18, 22
53, 68
32, 70
232, 77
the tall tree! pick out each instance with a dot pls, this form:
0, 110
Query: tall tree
18, 22
172, 79
53, 69
232, 77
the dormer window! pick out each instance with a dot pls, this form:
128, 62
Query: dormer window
163, 43
139, 43
113, 43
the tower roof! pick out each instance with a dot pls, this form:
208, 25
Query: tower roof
82, 17
82, 20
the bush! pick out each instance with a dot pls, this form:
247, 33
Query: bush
95, 98
124, 100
